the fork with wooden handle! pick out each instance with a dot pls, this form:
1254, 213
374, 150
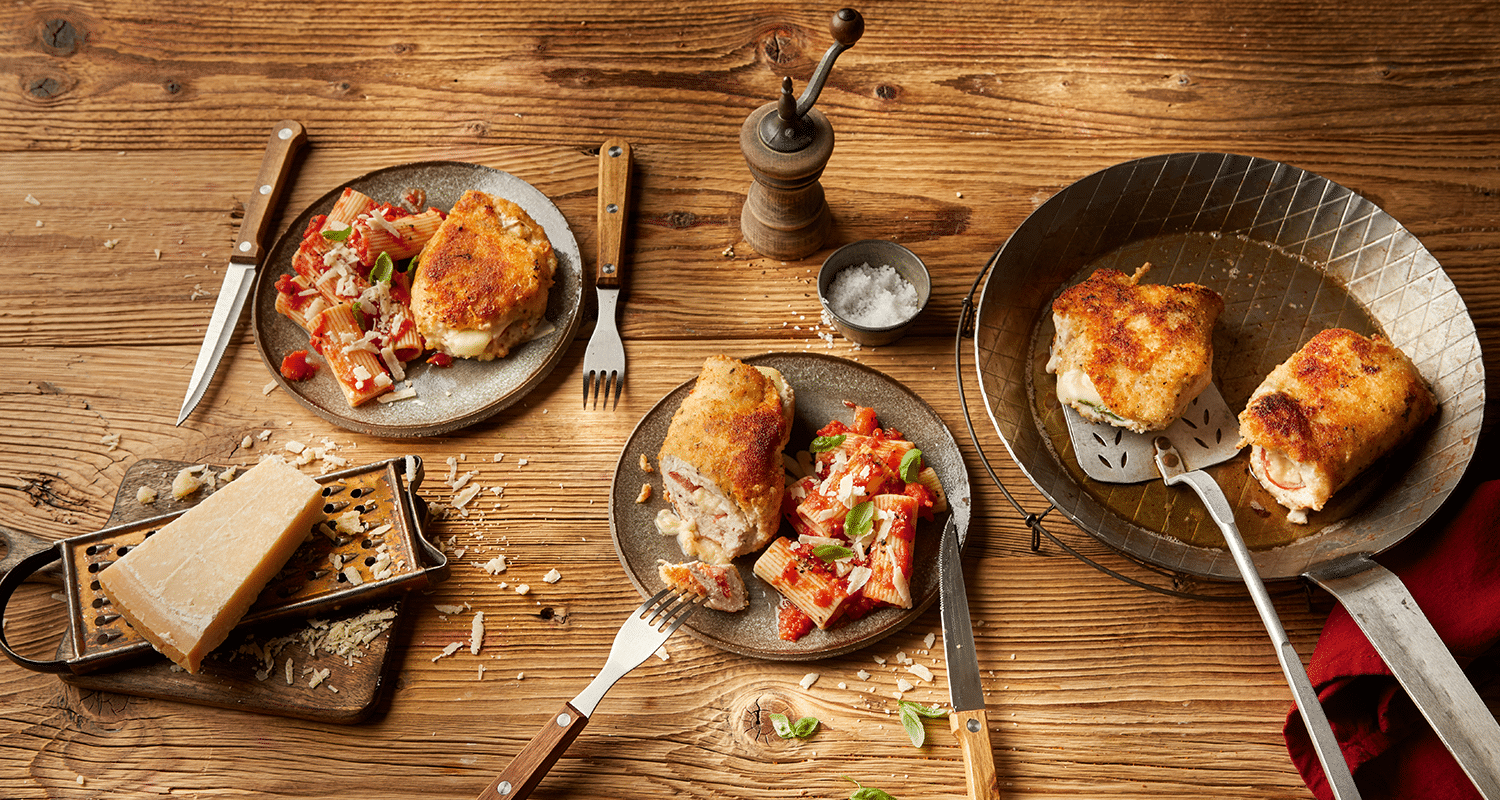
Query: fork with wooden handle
604, 360
648, 628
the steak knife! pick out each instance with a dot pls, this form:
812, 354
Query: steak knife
968, 721
239, 276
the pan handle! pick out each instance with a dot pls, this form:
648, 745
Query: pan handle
8, 585
1383, 608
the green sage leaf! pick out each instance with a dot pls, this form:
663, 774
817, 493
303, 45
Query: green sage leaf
823, 444
911, 465
384, 266
786, 729
859, 521
832, 552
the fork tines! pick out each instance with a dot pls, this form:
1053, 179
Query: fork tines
667, 609
593, 381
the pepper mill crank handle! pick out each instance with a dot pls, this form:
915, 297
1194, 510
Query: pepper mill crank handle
846, 26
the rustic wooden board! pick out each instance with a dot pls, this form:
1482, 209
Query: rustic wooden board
235, 675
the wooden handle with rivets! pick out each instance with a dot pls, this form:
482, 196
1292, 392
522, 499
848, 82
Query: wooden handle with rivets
614, 202
286, 138
530, 765
972, 729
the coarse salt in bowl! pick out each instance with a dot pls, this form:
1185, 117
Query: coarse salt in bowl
873, 290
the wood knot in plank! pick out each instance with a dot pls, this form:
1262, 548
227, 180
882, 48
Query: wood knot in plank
779, 46
48, 87
752, 715
61, 37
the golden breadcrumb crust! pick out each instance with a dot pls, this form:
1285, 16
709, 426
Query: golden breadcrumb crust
1144, 346
1338, 404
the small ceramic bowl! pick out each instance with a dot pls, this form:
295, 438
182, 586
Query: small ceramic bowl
876, 253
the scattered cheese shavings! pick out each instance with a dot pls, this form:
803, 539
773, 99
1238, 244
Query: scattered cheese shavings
521, 462
928, 640
552, 576
904, 685
476, 633
109, 244
495, 566
318, 678
661, 653
808, 680
449, 650
522, 588
110, 439
32, 201
920, 671
351, 574
862, 675
145, 495
186, 482
268, 388
448, 609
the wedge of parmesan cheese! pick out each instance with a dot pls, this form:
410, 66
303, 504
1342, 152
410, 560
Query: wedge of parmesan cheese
187, 585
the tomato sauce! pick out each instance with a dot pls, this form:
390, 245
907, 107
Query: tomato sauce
296, 367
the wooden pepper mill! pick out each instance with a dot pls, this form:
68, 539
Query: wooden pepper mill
787, 144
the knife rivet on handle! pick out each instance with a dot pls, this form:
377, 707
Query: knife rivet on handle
503, 789
564, 720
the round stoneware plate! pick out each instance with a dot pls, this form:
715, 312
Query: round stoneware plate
448, 398
822, 384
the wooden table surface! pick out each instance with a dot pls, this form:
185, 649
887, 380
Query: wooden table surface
130, 136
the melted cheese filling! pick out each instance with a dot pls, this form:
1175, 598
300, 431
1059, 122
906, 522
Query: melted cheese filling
1282, 470
467, 343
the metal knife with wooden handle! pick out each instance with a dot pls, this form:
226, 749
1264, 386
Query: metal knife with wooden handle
968, 721
239, 275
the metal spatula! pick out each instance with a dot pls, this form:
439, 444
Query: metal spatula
1207, 434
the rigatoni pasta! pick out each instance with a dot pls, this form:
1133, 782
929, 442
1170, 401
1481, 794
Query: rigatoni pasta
351, 294
855, 519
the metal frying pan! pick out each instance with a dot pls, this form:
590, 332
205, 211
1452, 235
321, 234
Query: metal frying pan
1291, 253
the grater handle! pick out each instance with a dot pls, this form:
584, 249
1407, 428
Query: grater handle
8, 585
19, 545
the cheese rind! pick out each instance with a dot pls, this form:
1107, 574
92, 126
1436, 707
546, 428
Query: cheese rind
186, 586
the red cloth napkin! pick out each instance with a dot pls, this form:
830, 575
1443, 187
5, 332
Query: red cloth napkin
1455, 578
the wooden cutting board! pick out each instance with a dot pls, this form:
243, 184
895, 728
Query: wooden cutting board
249, 671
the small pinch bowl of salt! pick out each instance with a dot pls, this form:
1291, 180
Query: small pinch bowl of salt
872, 290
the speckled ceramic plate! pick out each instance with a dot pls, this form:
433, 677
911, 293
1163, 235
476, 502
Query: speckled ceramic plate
822, 384
448, 398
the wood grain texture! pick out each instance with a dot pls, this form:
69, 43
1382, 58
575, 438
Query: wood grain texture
137, 130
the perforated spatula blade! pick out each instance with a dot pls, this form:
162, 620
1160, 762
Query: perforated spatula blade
1206, 434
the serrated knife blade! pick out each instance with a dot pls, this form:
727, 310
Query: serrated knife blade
239, 276
969, 722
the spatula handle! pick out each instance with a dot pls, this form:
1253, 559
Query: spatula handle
972, 729
614, 204
530, 765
